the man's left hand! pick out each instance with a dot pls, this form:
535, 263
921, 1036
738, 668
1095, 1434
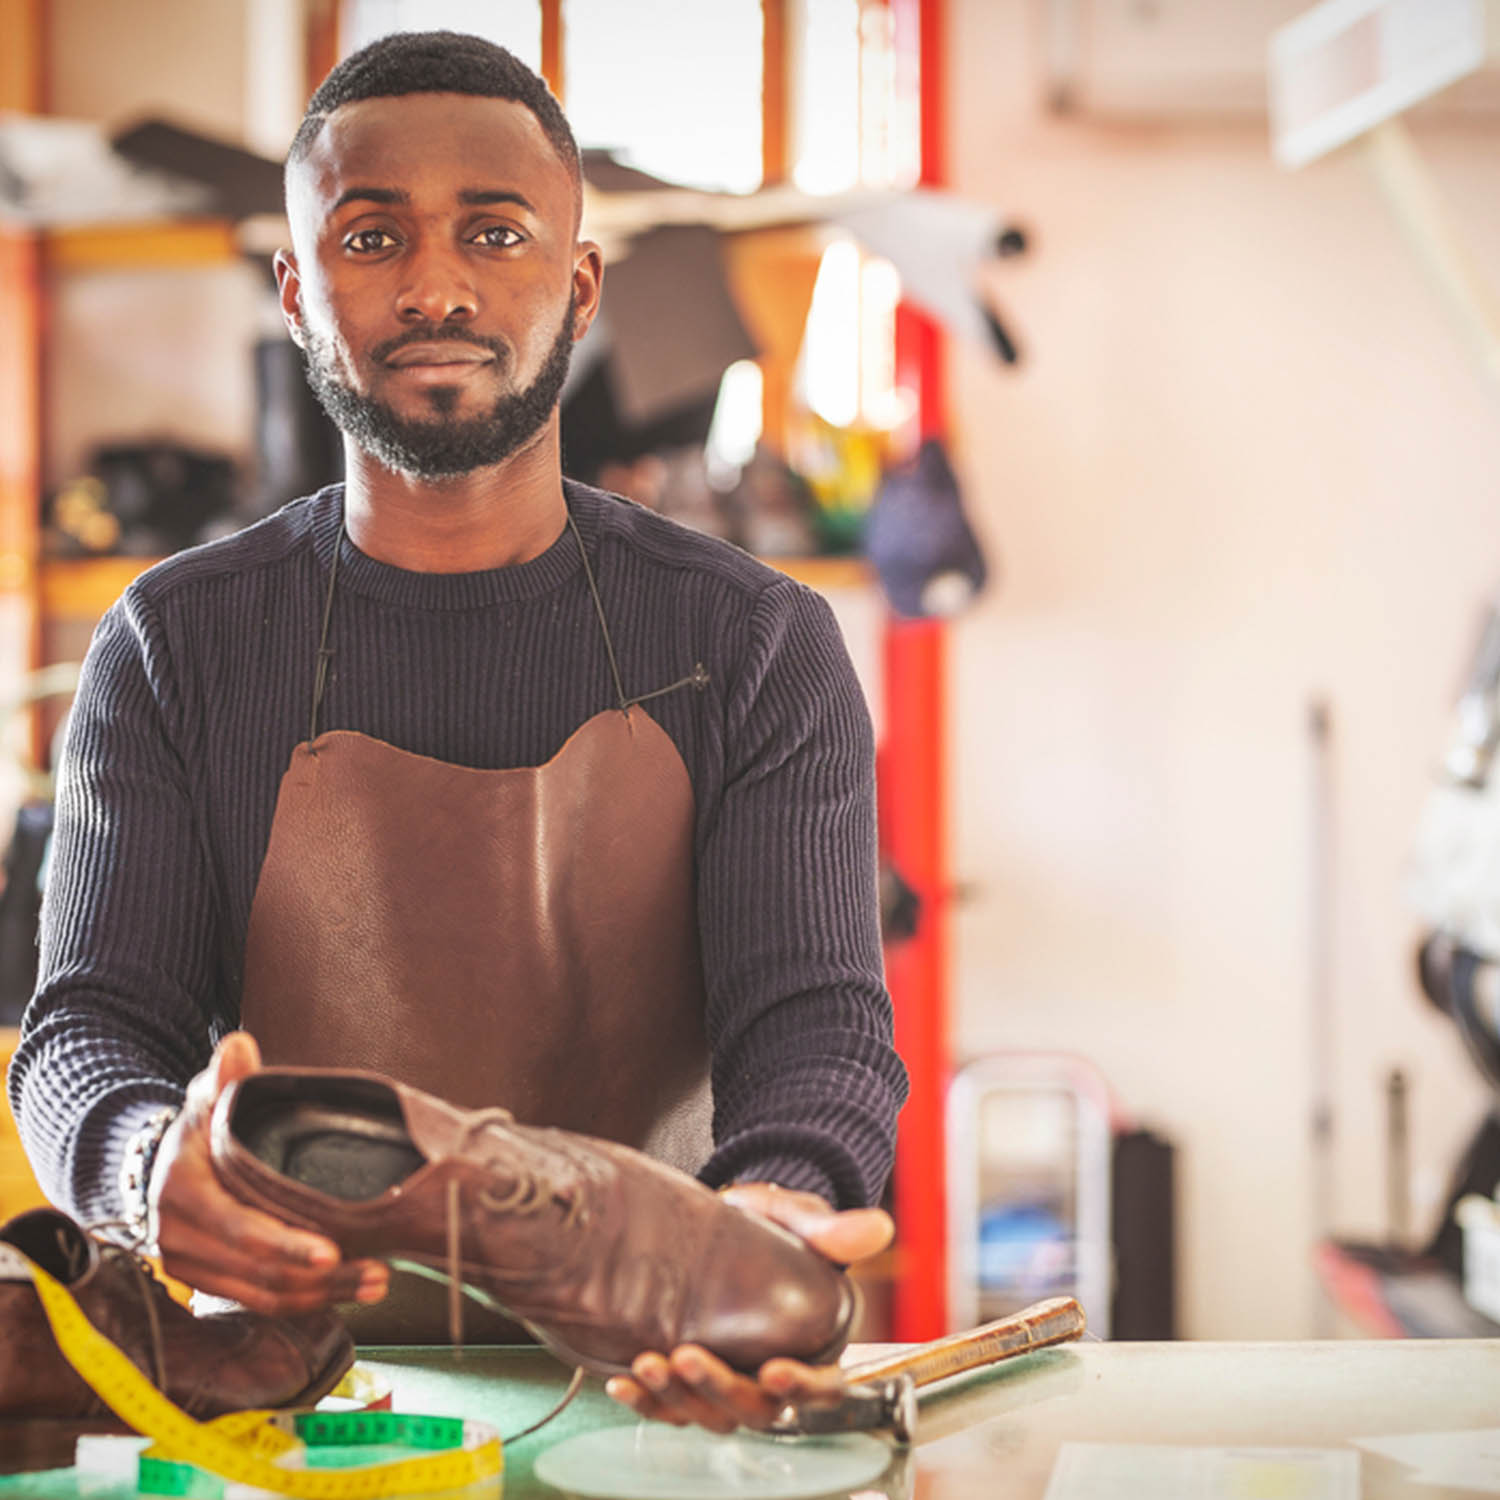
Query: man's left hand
691, 1386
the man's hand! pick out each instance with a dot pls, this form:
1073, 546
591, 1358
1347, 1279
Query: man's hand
690, 1385
212, 1241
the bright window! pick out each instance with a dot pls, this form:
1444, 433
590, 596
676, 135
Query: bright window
516, 24
857, 126
673, 88
737, 422
856, 109
825, 134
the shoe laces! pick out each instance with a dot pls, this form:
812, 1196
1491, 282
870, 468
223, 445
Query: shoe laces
126, 1254
523, 1196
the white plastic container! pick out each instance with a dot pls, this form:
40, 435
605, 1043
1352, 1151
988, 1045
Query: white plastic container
1480, 1219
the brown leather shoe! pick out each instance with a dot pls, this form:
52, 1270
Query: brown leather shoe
208, 1366
601, 1252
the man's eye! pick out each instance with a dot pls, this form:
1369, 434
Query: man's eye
370, 240
498, 237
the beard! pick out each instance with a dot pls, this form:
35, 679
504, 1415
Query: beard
442, 446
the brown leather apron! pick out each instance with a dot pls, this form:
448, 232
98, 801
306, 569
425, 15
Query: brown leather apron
523, 937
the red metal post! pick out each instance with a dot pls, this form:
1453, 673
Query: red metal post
914, 817
914, 804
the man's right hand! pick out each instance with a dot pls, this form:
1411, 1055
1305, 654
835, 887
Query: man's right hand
220, 1245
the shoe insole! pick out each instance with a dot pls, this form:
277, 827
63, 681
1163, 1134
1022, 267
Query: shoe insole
345, 1156
349, 1166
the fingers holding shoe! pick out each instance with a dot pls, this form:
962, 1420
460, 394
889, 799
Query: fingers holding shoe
219, 1245
691, 1387
843, 1237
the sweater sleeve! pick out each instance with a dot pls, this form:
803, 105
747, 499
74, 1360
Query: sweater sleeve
119, 1020
806, 1081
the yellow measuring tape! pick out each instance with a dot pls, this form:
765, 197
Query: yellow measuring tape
261, 1448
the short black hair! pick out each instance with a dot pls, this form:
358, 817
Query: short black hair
437, 62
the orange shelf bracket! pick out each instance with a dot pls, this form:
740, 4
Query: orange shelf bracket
554, 46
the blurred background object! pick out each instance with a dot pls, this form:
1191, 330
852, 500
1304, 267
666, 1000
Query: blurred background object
23, 867
919, 540
1055, 1191
144, 500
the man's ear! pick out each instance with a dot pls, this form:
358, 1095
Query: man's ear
588, 280
289, 293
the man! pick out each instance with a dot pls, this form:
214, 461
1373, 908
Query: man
527, 730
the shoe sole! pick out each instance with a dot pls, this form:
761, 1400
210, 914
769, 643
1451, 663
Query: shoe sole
599, 1367
438, 1271
323, 1382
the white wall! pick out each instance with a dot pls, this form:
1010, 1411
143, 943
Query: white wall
116, 63
1247, 463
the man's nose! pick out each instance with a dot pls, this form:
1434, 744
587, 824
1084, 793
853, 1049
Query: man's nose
438, 289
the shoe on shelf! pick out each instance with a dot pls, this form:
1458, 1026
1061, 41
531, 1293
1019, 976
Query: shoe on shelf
206, 1365
601, 1252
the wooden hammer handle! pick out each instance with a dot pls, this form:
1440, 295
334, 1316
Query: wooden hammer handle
1054, 1321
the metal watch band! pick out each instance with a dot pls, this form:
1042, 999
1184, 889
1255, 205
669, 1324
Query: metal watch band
135, 1174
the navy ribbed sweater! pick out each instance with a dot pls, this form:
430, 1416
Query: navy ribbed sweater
198, 685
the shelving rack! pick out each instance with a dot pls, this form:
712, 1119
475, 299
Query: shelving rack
913, 757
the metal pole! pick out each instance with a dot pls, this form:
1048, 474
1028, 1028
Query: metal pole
1320, 991
1417, 203
1397, 1158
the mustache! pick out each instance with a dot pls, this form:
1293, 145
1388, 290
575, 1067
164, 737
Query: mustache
431, 333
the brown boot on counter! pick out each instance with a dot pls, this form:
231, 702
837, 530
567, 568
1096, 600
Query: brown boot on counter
601, 1252
207, 1366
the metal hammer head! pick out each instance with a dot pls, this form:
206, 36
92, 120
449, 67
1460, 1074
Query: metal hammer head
888, 1405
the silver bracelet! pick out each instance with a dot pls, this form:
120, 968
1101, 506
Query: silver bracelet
135, 1175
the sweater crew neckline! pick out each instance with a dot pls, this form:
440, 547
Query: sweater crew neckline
362, 574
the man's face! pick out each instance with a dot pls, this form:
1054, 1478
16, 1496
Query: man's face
437, 288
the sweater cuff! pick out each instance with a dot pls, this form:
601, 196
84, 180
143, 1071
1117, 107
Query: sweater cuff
100, 1148
793, 1172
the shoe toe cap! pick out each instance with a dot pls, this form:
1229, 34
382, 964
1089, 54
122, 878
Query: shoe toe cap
759, 1307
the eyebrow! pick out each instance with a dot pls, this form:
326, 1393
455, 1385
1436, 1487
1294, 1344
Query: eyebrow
496, 195
469, 196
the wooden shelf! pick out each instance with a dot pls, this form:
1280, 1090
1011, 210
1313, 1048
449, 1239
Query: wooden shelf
78, 586
84, 587
824, 572
168, 245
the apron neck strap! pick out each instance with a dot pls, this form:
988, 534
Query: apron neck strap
697, 678
325, 651
609, 645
